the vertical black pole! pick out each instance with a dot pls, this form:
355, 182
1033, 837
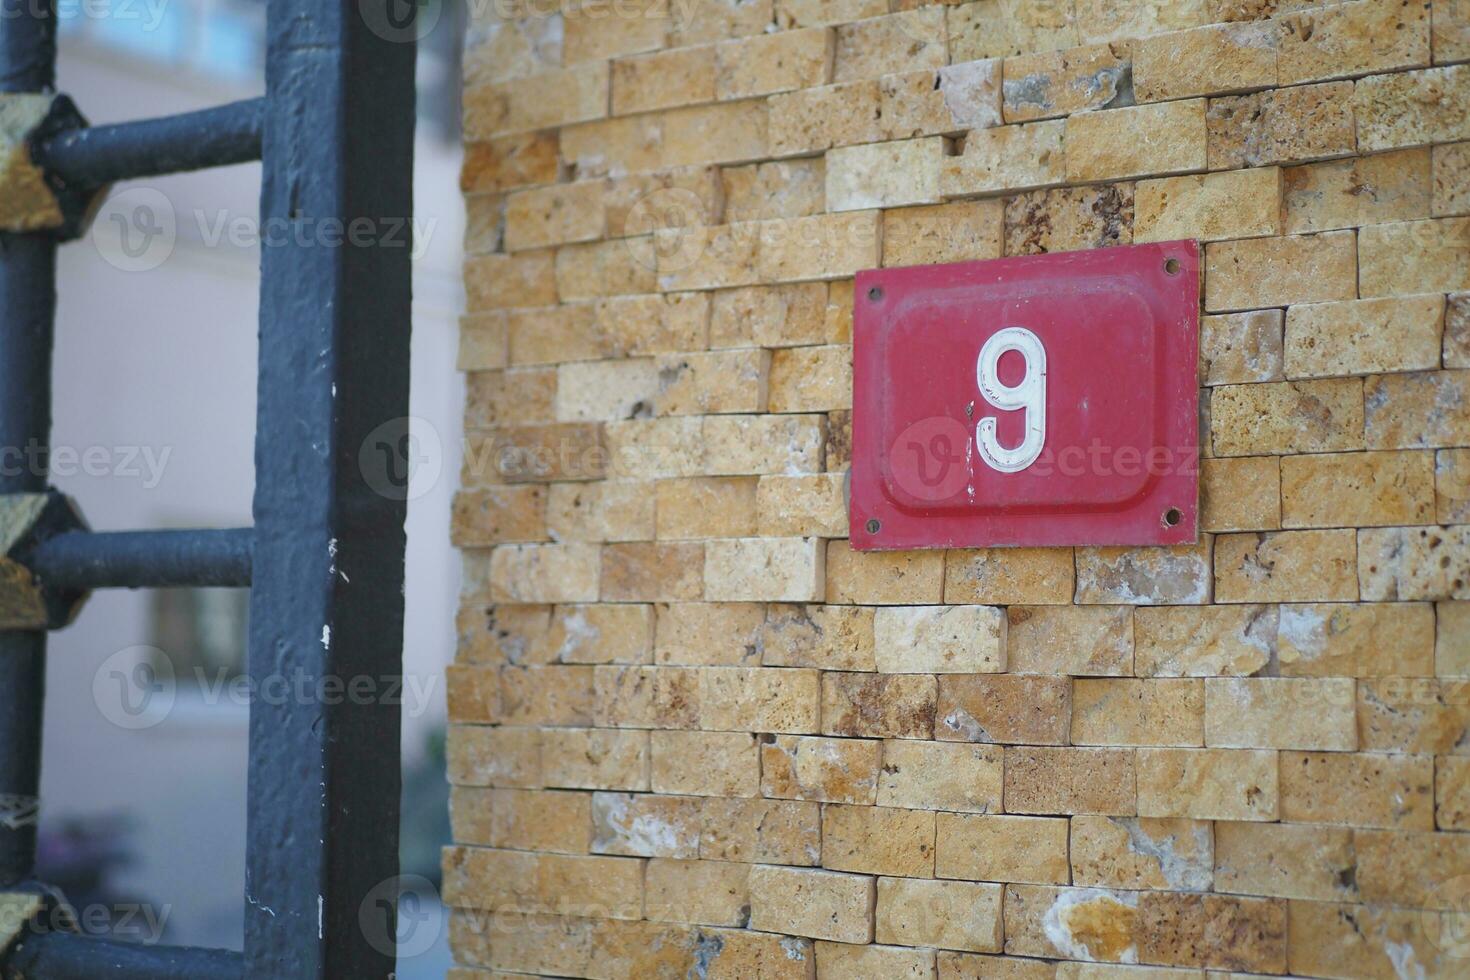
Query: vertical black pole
27, 316
327, 594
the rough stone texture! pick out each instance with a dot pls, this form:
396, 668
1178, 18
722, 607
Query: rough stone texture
1277, 271
1207, 784
1008, 708
1001, 28
1360, 191
1069, 219
1137, 141
1009, 575
1236, 204
821, 904
1240, 56
950, 914
1412, 108
1002, 848
958, 232
1006, 158
1359, 489
1241, 493
1075, 640
1241, 347
1289, 125
1287, 417
1270, 566
1144, 576
1416, 411
1364, 336
1451, 179
1058, 83
940, 639
1070, 780
951, 100
941, 776
1142, 852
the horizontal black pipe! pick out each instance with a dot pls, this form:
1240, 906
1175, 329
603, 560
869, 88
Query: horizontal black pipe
68, 956
98, 155
81, 560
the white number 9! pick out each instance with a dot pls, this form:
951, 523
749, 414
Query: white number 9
1028, 394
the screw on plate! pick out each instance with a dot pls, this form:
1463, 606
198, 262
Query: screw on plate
873, 525
1172, 517
875, 293
1171, 266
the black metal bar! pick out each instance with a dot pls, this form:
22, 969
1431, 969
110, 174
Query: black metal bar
83, 560
100, 155
68, 956
27, 316
327, 601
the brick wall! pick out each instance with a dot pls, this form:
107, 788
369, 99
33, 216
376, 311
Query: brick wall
694, 734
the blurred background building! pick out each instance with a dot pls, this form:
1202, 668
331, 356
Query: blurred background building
155, 411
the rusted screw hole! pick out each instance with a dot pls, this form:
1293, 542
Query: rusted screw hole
873, 525
1171, 266
875, 293
1172, 517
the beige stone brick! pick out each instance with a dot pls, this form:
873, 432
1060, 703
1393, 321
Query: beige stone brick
714, 383
811, 379
544, 573
1110, 20
1209, 60
1414, 563
1240, 493
1076, 640
706, 507
829, 637
940, 639
1238, 348
523, 820
506, 757
826, 770
811, 13
1302, 713
1450, 168
818, 119
1414, 257
555, 335
949, 101
709, 634
1452, 639
828, 246
770, 316
764, 569
587, 758
884, 577
779, 189
878, 705
1364, 336
951, 914
1355, 38
1209, 207
1287, 125
600, 634
597, 269
884, 174
1366, 940
1408, 868
1285, 861
754, 444
1452, 793
705, 763
958, 232
941, 776
639, 825
1004, 28
1360, 191
1136, 141
1006, 158
595, 32
546, 101
1450, 32
842, 961
1352, 640
705, 258
1006, 708
516, 881
1413, 714
681, 197
605, 391
1002, 576
1452, 486
515, 634
806, 902
1058, 83
1069, 219
1070, 780
1281, 418
761, 832
1002, 848
513, 161
1278, 271
1412, 108
1282, 566
1208, 784
1178, 575
884, 45
608, 511
1056, 922
652, 572
543, 216
1423, 410
763, 699
703, 892
508, 398
483, 342
663, 79
1142, 852
697, 21
767, 63
1130, 711
494, 282
1360, 789
878, 840
484, 224
974, 966
802, 505
1357, 489
480, 518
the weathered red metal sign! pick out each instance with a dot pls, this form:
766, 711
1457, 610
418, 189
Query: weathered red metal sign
1037, 400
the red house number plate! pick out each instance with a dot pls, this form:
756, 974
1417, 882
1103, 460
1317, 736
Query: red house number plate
1038, 400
